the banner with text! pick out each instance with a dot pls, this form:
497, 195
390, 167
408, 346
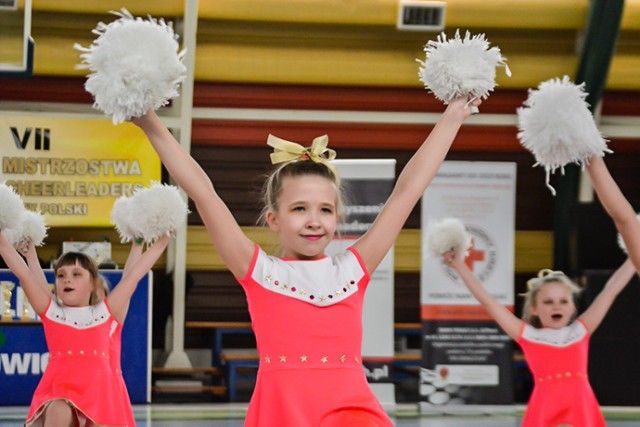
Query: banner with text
368, 184
72, 170
467, 359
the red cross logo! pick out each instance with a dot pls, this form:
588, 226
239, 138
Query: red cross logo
474, 255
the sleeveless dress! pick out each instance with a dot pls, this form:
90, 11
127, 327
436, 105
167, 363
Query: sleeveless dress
562, 393
116, 367
307, 319
79, 371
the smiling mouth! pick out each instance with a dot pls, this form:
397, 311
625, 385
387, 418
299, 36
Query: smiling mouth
67, 289
556, 316
312, 236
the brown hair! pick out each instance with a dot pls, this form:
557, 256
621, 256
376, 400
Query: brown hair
86, 262
533, 288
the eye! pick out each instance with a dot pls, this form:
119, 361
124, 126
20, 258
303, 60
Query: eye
298, 209
327, 210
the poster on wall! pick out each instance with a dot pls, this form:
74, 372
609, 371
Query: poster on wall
368, 184
72, 170
467, 358
23, 349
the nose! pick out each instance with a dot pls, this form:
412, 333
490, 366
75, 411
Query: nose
312, 221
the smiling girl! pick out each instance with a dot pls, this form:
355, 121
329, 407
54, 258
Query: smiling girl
78, 387
306, 308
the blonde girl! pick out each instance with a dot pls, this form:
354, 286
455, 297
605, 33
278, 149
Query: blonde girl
306, 308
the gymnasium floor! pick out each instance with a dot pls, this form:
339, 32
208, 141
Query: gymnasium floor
230, 415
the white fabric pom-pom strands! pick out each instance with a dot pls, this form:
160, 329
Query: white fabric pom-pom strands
556, 126
135, 65
121, 217
445, 235
31, 228
149, 213
460, 67
11, 207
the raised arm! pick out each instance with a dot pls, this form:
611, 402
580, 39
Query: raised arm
134, 255
30, 254
38, 296
508, 321
119, 298
234, 247
411, 184
593, 316
617, 206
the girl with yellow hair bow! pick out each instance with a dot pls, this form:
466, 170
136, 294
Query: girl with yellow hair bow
306, 308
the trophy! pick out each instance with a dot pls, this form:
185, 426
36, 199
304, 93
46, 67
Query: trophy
25, 308
7, 290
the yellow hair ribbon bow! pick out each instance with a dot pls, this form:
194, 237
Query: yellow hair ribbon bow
286, 151
547, 275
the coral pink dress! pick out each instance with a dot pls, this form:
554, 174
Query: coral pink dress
79, 371
307, 319
116, 368
562, 393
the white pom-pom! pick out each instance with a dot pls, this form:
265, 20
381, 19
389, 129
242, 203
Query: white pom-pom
32, 228
456, 68
11, 207
135, 65
157, 211
445, 235
556, 126
621, 243
121, 217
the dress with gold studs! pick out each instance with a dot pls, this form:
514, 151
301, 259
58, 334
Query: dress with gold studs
558, 360
307, 319
79, 371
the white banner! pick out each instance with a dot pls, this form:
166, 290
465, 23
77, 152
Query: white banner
467, 359
482, 196
368, 184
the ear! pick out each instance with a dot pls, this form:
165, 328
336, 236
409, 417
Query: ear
272, 220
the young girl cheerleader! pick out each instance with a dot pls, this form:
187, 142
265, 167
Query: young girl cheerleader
306, 308
79, 386
554, 345
102, 291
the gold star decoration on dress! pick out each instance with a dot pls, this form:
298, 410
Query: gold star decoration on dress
343, 357
338, 291
357, 359
303, 358
267, 278
285, 286
324, 359
322, 298
283, 359
302, 292
267, 359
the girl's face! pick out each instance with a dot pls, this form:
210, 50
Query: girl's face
554, 305
74, 285
307, 216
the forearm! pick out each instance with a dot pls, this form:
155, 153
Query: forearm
617, 206
608, 191
425, 163
509, 323
180, 165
